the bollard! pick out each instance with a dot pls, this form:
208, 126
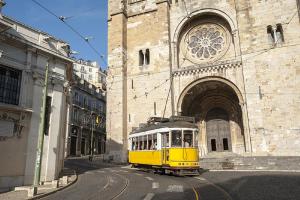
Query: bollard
32, 191
55, 184
65, 180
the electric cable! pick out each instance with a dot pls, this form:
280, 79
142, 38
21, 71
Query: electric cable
72, 29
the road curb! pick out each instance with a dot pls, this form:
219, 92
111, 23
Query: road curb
252, 170
59, 189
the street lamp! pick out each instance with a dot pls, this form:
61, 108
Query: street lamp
92, 136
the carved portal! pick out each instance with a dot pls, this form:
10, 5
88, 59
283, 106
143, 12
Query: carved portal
217, 110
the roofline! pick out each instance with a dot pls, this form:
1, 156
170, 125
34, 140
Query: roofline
33, 29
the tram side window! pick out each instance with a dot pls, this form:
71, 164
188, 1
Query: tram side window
155, 141
150, 144
188, 138
166, 140
141, 144
176, 138
144, 142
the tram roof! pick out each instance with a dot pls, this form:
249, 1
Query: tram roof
175, 124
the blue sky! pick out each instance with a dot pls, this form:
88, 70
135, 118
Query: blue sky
89, 18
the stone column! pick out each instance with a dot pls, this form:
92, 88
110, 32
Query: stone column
33, 130
248, 145
52, 151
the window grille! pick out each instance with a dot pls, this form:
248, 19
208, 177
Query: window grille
10, 81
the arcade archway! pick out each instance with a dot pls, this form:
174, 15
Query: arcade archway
216, 107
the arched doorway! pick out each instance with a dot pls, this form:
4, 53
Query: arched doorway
218, 130
216, 107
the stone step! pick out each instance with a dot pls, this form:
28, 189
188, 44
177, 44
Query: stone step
251, 163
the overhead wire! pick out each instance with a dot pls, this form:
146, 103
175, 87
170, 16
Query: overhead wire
156, 87
145, 94
80, 14
71, 28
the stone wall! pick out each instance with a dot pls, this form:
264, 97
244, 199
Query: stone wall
271, 78
265, 76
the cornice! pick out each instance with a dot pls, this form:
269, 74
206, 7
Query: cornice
199, 69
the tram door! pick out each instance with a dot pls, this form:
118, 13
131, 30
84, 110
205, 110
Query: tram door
165, 147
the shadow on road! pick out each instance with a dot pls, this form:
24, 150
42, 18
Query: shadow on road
82, 165
254, 185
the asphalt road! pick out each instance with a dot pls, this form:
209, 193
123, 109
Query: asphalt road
103, 182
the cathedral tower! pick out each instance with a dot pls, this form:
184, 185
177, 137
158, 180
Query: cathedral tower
139, 68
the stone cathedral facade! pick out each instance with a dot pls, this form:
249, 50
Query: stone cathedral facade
234, 65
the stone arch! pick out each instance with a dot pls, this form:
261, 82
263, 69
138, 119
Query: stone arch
206, 94
201, 12
220, 22
205, 79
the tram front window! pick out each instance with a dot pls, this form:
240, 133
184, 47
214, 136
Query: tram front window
176, 138
188, 138
134, 144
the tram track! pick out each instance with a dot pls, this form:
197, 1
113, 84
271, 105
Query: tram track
94, 196
196, 194
106, 186
215, 186
123, 189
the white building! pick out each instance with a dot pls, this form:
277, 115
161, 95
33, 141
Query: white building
25, 53
91, 72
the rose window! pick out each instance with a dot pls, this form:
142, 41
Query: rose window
206, 42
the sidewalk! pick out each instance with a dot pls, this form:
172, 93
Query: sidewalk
68, 177
74, 166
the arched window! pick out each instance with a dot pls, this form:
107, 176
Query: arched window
147, 57
144, 57
141, 58
279, 34
271, 36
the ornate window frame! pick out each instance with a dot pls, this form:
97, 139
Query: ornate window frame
205, 41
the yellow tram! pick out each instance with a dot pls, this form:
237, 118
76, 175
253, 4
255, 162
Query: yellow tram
169, 146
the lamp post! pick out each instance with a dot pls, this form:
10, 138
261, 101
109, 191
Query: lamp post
92, 136
39, 152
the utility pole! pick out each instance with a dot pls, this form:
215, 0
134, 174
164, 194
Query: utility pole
92, 137
39, 152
